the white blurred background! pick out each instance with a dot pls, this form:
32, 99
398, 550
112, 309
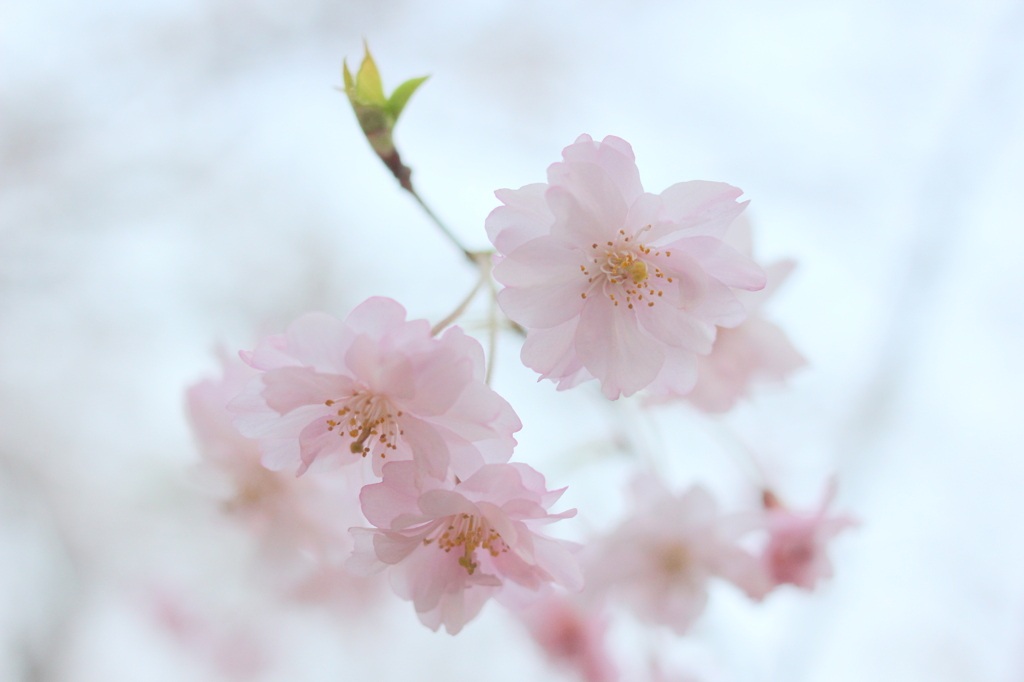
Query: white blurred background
178, 175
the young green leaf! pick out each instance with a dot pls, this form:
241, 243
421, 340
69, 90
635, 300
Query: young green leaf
402, 93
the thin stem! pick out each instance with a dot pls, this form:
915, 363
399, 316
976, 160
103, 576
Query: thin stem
470, 256
483, 262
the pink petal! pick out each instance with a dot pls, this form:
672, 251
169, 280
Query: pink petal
376, 317
646, 209
720, 306
559, 563
396, 494
524, 216
552, 352
317, 441
364, 561
614, 156
499, 482
464, 346
392, 548
614, 350
440, 378
700, 208
722, 262
290, 387
689, 283
383, 372
591, 210
675, 327
544, 283
438, 503
317, 340
428, 448
271, 353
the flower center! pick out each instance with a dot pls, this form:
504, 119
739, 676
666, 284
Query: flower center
619, 269
470, 533
675, 559
369, 420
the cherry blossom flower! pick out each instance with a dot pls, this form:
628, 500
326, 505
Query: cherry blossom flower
659, 561
451, 546
373, 386
571, 636
301, 524
796, 549
614, 283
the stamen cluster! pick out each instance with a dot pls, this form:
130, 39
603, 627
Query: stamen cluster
365, 415
470, 533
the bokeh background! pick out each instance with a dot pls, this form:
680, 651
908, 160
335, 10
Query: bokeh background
176, 176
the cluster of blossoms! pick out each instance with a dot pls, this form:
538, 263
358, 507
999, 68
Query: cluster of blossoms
642, 292
451, 518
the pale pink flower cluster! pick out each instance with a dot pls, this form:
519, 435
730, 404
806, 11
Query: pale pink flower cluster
640, 291
660, 560
612, 282
453, 521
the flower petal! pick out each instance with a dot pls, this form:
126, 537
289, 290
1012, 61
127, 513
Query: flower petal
614, 350
614, 156
524, 216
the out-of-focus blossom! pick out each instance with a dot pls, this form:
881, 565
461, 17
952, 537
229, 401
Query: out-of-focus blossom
374, 385
614, 283
234, 649
451, 545
571, 636
796, 550
302, 524
659, 560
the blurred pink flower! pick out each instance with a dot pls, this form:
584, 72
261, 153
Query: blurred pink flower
451, 545
796, 549
301, 524
374, 385
235, 647
571, 636
659, 560
614, 283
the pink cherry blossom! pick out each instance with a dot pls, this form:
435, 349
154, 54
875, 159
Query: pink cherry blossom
570, 635
374, 385
659, 560
796, 549
301, 524
451, 546
614, 283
